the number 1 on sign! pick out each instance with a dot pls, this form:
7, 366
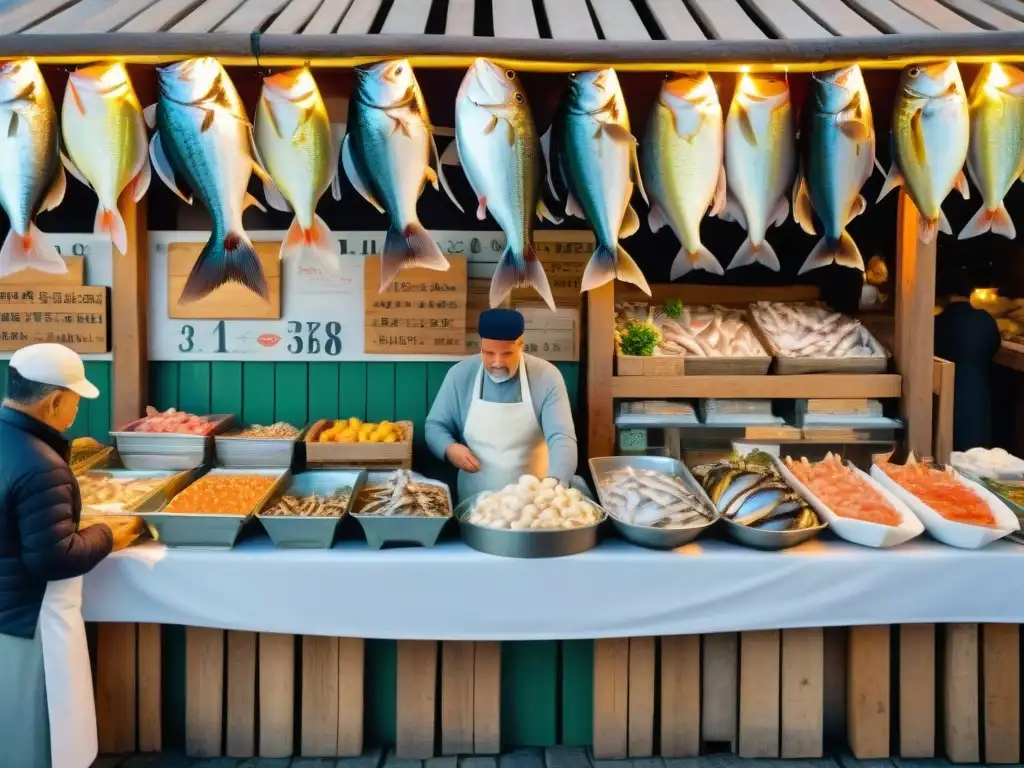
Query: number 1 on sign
188, 334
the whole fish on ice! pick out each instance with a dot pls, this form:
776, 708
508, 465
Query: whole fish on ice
930, 129
105, 138
760, 159
594, 154
682, 166
293, 137
204, 134
31, 175
995, 153
497, 144
389, 154
837, 139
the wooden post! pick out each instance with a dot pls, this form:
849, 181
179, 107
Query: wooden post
240, 736
204, 691
150, 676
611, 698
115, 687
276, 671
457, 665
487, 698
720, 688
680, 696
759, 694
963, 740
641, 696
1000, 664
917, 690
600, 362
417, 698
867, 689
803, 692
943, 382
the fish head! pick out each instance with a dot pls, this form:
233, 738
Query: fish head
105, 81
691, 90
996, 79
190, 79
835, 89
595, 91
932, 80
487, 83
768, 88
386, 83
295, 86
17, 79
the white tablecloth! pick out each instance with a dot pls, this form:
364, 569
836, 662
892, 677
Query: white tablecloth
452, 592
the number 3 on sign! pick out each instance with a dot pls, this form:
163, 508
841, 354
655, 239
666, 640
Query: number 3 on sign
188, 333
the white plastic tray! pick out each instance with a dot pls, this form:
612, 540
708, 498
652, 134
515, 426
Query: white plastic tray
860, 531
963, 462
963, 535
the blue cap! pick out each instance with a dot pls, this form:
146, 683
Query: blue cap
501, 325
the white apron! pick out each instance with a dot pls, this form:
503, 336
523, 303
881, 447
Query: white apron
69, 695
505, 437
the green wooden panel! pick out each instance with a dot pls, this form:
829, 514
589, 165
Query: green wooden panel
571, 374
226, 388
323, 391
380, 391
411, 401
194, 387
258, 393
577, 692
352, 390
435, 377
98, 372
380, 695
529, 694
163, 385
291, 393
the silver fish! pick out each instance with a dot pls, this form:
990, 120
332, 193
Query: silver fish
682, 166
31, 176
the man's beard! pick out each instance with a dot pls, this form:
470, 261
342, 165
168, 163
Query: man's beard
498, 375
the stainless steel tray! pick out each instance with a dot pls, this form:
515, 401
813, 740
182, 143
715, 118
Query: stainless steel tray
205, 531
160, 490
128, 441
645, 535
254, 452
403, 529
311, 532
167, 463
526, 544
758, 538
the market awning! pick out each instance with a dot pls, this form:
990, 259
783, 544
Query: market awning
629, 33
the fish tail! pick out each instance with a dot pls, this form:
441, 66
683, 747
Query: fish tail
109, 222
228, 258
997, 221
843, 252
927, 229
411, 247
749, 253
526, 271
702, 258
606, 265
310, 247
31, 250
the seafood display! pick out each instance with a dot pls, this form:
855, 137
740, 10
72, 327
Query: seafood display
105, 137
941, 490
280, 430
930, 128
83, 448
1011, 491
314, 505
105, 493
497, 144
222, 495
355, 431
844, 491
982, 462
697, 331
681, 162
750, 491
837, 142
593, 153
173, 421
402, 496
534, 504
813, 330
655, 499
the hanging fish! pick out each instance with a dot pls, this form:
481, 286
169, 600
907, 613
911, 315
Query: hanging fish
389, 154
31, 176
760, 159
837, 141
497, 144
930, 129
105, 138
293, 137
681, 162
203, 133
995, 154
594, 154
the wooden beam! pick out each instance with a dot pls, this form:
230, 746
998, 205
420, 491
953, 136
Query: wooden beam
890, 17
943, 386
600, 359
1000, 664
18, 16
240, 738
641, 696
680, 696
457, 666
611, 698
720, 688
351, 685
417, 681
293, 17
115, 687
407, 17
359, 17
759, 694
787, 19
320, 696
794, 386
487, 698
514, 18
150, 670
326, 18
204, 691
619, 20
459, 20
160, 15
960, 697
674, 20
917, 690
867, 686
207, 16
112, 16
938, 15
569, 20
803, 693
726, 20
839, 17
277, 694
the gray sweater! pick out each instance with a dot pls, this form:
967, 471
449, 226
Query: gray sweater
550, 403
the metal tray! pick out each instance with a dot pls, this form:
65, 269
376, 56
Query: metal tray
758, 538
402, 529
150, 462
97, 460
204, 531
645, 535
254, 452
128, 441
171, 480
526, 544
311, 532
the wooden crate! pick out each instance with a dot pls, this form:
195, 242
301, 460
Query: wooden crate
681, 365
801, 365
374, 455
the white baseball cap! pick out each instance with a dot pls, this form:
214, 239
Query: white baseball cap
54, 364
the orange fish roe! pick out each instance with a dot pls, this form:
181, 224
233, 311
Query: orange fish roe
942, 491
844, 491
221, 495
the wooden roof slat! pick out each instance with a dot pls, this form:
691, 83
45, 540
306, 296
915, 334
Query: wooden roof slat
569, 20
293, 16
407, 17
890, 17
252, 15
787, 19
359, 18
514, 18
28, 13
674, 20
69, 19
113, 16
619, 20
938, 15
726, 20
983, 14
326, 17
1014, 8
207, 16
460, 17
839, 17
160, 15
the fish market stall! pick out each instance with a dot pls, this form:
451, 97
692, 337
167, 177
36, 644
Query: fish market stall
303, 210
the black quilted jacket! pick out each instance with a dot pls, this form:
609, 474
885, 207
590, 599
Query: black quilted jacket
39, 510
